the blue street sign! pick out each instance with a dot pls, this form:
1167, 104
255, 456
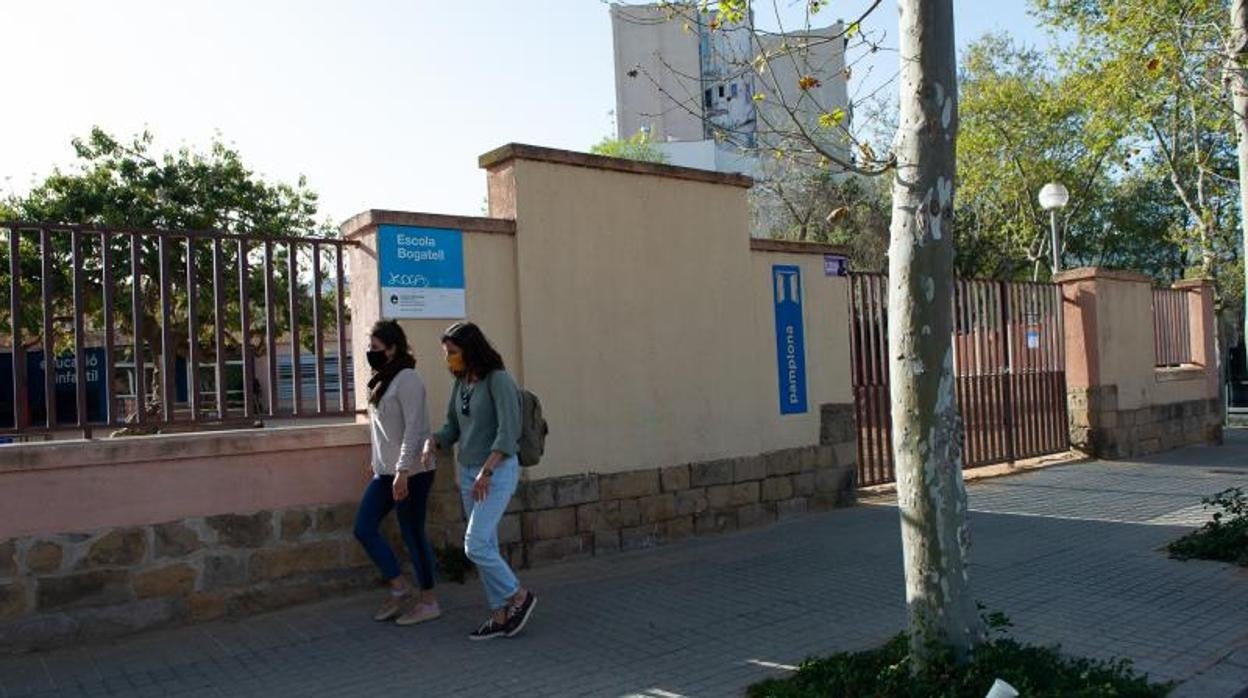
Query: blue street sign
786, 282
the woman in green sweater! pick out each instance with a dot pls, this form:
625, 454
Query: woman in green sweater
483, 418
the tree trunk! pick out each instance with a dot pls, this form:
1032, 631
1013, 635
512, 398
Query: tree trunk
926, 431
1237, 72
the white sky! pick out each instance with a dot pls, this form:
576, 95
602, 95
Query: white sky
380, 104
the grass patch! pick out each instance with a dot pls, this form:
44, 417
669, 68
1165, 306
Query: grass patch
1225, 537
1035, 672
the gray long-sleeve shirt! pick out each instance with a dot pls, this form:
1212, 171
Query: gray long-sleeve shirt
400, 425
492, 422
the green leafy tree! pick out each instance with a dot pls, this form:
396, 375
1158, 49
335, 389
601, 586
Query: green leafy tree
636, 147
1156, 67
117, 184
1024, 124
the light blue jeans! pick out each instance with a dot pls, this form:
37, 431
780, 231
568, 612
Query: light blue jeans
481, 537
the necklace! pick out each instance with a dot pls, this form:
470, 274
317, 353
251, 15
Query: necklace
465, 398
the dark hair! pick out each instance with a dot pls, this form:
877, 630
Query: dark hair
480, 358
392, 335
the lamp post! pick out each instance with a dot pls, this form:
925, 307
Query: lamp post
1053, 196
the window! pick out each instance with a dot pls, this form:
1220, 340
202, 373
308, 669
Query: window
709, 97
733, 91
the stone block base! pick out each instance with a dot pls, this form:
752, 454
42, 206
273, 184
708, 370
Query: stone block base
63, 588
1099, 428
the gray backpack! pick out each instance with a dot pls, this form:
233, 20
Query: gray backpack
533, 429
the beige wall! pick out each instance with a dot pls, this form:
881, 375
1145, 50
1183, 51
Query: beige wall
629, 299
826, 325
647, 322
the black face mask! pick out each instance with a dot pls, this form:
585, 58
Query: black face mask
377, 359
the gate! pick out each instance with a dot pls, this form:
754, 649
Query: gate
1008, 361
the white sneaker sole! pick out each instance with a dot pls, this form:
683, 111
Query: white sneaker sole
404, 620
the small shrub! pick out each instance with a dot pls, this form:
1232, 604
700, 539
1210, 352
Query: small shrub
1225, 537
453, 564
1036, 672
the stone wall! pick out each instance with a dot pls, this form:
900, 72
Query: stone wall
70, 587
580, 516
1100, 428
60, 588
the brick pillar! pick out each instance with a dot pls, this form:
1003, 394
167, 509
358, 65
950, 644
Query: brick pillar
1105, 346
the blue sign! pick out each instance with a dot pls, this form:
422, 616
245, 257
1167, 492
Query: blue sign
66, 388
835, 265
786, 282
421, 272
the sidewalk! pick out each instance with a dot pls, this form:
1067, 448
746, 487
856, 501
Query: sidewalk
1070, 554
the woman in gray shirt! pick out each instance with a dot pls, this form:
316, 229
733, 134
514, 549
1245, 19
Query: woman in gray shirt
401, 479
483, 417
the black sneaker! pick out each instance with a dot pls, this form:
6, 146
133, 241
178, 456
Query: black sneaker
489, 630
517, 616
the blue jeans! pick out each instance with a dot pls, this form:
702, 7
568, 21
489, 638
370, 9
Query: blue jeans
481, 536
377, 502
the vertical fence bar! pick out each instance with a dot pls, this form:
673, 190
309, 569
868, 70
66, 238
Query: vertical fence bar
868, 373
1059, 334
1159, 328
885, 400
1055, 372
110, 353
244, 321
855, 364
1043, 427
49, 359
1033, 386
80, 351
875, 377
192, 330
270, 331
1007, 388
296, 367
986, 370
318, 341
961, 398
167, 391
136, 321
340, 317
21, 401
992, 367
977, 366
218, 303
1028, 402
971, 421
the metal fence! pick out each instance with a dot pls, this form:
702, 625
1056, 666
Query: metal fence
1172, 327
1009, 366
150, 328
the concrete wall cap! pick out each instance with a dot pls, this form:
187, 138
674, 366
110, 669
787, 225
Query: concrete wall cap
361, 223
1187, 284
1088, 273
796, 247
520, 151
56, 455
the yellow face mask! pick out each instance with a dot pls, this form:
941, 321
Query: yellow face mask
455, 362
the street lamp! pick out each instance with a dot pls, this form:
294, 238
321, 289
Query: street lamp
1053, 196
